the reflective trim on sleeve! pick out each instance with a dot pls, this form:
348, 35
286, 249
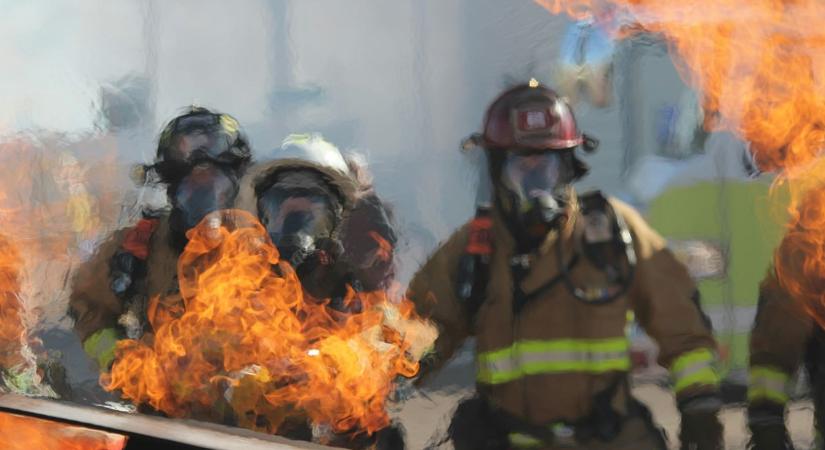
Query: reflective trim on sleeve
767, 383
694, 368
519, 440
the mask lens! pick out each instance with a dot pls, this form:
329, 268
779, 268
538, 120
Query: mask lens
287, 213
206, 189
532, 176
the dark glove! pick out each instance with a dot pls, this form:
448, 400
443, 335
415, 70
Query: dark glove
767, 425
391, 438
701, 429
474, 428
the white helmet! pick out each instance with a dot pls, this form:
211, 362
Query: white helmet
312, 148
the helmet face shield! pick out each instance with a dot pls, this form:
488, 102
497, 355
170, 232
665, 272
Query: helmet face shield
199, 137
198, 145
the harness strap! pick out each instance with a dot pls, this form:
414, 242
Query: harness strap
520, 271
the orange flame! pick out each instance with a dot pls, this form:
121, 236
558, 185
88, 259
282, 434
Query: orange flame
27, 433
247, 341
47, 208
759, 65
12, 331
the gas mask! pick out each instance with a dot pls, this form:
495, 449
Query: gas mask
206, 188
538, 184
301, 213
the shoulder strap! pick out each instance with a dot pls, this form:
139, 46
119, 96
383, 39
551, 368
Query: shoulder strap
473, 266
606, 239
137, 238
607, 244
129, 261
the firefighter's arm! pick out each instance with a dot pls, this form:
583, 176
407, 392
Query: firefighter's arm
432, 290
666, 303
779, 338
94, 306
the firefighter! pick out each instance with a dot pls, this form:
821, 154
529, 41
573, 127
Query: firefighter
545, 280
784, 337
200, 158
324, 217
322, 213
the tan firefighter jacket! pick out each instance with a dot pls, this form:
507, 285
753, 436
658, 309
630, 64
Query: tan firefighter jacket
93, 303
547, 363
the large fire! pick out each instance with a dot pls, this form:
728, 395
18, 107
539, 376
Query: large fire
759, 65
243, 342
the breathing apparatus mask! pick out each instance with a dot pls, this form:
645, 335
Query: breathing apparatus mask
206, 188
538, 186
300, 213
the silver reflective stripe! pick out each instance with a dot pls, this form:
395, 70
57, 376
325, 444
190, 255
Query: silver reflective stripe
501, 365
519, 359
767, 383
527, 358
770, 384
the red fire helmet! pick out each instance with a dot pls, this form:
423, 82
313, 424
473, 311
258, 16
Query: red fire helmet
530, 117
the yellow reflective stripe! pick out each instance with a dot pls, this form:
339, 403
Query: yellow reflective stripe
767, 383
576, 366
498, 377
101, 346
706, 377
524, 441
694, 368
578, 345
556, 356
759, 373
686, 360
574, 345
765, 394
496, 355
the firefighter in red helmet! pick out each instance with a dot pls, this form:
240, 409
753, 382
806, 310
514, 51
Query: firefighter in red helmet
545, 280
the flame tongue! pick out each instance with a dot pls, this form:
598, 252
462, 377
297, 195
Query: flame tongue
12, 331
800, 259
756, 63
247, 344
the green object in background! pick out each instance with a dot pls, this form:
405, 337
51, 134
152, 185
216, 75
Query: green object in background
747, 220
101, 347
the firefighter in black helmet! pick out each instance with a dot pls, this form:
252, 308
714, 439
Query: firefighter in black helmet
200, 158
